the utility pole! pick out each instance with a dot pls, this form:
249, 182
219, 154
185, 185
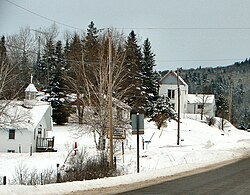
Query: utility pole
138, 139
179, 107
110, 100
230, 99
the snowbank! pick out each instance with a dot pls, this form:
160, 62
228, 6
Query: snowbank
201, 145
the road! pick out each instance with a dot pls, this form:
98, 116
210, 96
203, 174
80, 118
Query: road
232, 179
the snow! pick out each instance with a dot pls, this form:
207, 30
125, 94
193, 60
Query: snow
23, 117
31, 88
200, 146
200, 98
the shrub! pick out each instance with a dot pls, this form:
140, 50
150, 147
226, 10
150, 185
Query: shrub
82, 168
211, 121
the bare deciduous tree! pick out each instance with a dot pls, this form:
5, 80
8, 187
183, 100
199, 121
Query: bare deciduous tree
203, 101
92, 92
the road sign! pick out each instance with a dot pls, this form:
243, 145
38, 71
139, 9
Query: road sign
137, 120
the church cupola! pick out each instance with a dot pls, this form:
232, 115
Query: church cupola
30, 94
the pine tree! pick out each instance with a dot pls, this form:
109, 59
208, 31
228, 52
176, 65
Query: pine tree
45, 66
133, 61
91, 48
150, 77
2, 51
50, 77
57, 88
160, 110
74, 73
91, 45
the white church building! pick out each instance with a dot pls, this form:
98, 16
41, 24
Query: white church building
24, 125
189, 103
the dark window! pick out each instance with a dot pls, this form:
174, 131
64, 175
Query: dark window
12, 133
171, 94
200, 106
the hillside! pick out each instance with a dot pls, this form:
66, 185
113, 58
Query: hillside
221, 81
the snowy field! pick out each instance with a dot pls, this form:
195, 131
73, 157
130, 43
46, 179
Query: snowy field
200, 146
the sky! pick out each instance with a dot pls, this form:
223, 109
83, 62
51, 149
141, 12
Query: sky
183, 33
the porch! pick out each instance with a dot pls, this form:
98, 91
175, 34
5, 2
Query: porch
45, 144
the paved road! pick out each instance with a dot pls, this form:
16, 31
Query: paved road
231, 179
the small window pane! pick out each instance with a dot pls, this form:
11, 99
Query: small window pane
169, 93
173, 94
12, 134
200, 106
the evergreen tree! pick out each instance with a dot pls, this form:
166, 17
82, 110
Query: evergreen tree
2, 51
150, 77
50, 71
57, 88
75, 73
91, 48
91, 45
46, 66
133, 61
160, 110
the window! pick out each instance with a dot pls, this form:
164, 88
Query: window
12, 133
173, 106
200, 106
171, 94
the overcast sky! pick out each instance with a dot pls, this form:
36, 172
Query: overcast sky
183, 33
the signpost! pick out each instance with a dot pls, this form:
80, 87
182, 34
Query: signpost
138, 128
137, 118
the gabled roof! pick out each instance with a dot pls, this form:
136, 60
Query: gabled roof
121, 104
200, 98
17, 116
166, 79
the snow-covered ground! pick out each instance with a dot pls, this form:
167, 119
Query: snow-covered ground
200, 145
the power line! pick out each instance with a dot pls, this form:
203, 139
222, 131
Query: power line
41, 16
135, 28
199, 60
186, 28
157, 61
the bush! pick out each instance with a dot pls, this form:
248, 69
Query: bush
211, 121
24, 176
82, 168
78, 167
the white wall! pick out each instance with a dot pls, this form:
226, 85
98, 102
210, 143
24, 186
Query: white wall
209, 109
163, 91
23, 138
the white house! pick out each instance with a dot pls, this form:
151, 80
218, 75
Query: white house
168, 87
189, 103
24, 125
201, 103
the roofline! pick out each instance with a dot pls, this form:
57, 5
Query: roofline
171, 71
